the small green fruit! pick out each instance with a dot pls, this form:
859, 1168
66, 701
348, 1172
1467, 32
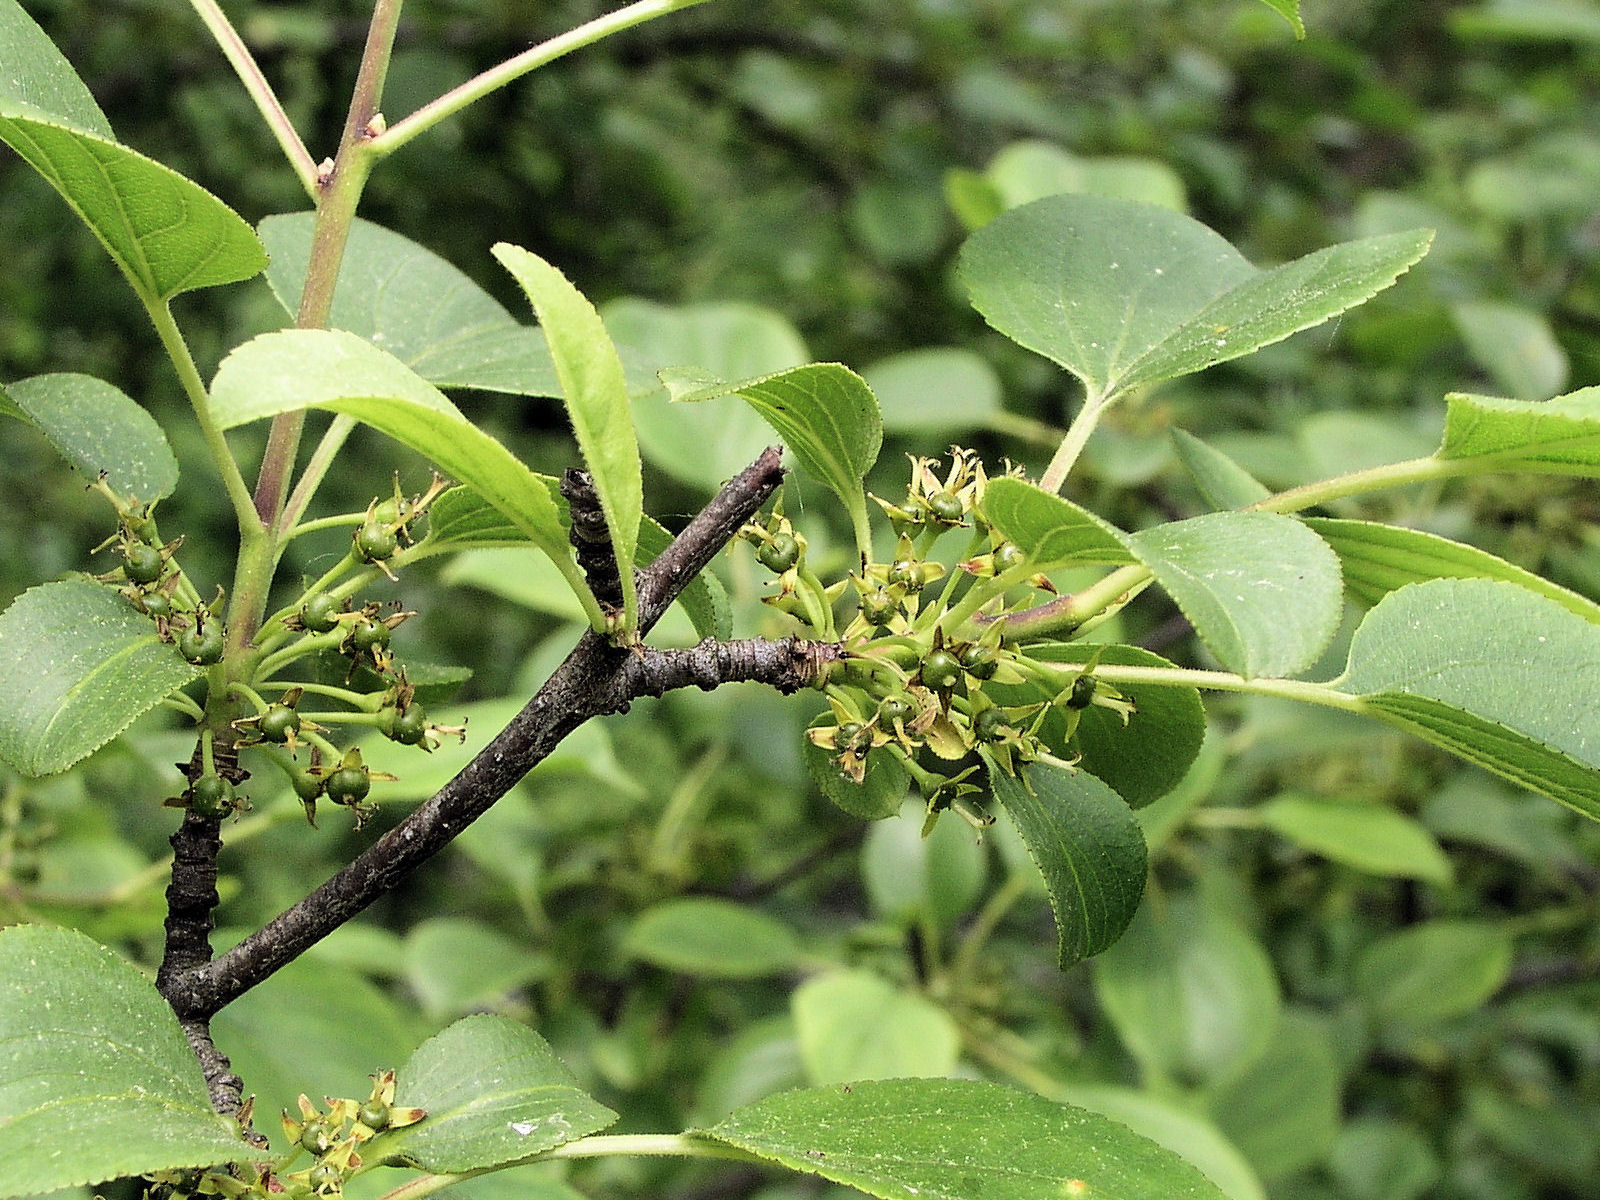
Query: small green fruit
940, 670
142, 563
279, 723
348, 785
320, 612
780, 554
211, 796
202, 643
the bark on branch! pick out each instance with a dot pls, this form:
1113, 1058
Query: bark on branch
596, 678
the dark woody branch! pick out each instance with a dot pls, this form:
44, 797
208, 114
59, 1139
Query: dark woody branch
596, 678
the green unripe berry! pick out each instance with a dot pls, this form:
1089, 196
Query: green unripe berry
846, 734
878, 609
375, 542
386, 512
987, 724
368, 634
279, 722
320, 612
408, 727
946, 507
142, 563
895, 708
906, 573
211, 796
202, 643
348, 785
780, 554
155, 604
324, 1178
980, 661
1008, 556
315, 1139
374, 1114
940, 670
1082, 692
306, 785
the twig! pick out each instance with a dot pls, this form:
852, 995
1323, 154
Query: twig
596, 678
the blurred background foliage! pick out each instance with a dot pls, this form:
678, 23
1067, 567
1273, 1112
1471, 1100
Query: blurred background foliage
1362, 972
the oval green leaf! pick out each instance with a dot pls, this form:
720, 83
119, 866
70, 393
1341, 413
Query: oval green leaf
96, 428
1192, 994
713, 938
1086, 843
1030, 170
702, 446
1121, 293
938, 390
455, 964
824, 412
1222, 482
1261, 590
419, 307
1515, 345
1054, 532
1284, 1111
1146, 758
36, 78
495, 1093
1168, 1124
166, 234
78, 665
913, 877
343, 373
1524, 707
1378, 559
1556, 437
1368, 837
596, 394
93, 1063
956, 1139
858, 1025
1432, 971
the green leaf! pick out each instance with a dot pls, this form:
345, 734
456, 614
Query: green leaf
1380, 1159
1557, 437
935, 390
1432, 971
35, 78
1192, 994
1053, 531
96, 428
495, 1093
461, 518
1030, 170
825, 413
881, 790
914, 879
713, 938
419, 307
1184, 1133
1122, 293
1515, 346
1289, 10
1146, 758
1222, 482
340, 372
1283, 1112
1086, 843
702, 446
1378, 559
1368, 837
1521, 705
1261, 590
454, 964
167, 234
954, 1139
94, 1065
858, 1025
78, 665
596, 393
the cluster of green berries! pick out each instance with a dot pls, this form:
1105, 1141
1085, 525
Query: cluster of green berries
333, 1137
